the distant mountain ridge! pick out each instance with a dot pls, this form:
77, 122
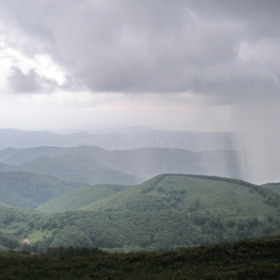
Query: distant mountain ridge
194, 141
94, 165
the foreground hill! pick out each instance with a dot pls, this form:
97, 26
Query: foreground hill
168, 211
194, 141
96, 166
29, 190
253, 259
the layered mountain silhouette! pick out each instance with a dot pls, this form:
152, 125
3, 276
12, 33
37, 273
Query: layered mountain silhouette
94, 165
194, 141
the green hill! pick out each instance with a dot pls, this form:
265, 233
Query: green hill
275, 187
79, 199
168, 211
29, 190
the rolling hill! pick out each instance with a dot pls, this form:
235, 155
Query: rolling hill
167, 211
275, 187
29, 190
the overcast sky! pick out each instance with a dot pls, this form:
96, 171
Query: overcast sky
169, 64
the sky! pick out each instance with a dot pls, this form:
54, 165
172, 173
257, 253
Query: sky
206, 65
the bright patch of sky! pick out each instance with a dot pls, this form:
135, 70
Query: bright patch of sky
42, 64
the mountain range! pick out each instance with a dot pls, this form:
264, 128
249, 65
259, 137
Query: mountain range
94, 165
194, 141
164, 190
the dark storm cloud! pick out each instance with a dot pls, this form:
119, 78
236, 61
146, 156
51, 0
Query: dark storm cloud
259, 17
157, 46
30, 82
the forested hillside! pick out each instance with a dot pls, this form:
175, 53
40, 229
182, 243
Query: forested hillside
167, 211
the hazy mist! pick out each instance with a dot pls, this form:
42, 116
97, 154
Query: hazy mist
169, 65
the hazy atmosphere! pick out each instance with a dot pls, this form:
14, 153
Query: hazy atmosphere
209, 65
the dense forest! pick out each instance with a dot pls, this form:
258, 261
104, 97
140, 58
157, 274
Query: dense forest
247, 259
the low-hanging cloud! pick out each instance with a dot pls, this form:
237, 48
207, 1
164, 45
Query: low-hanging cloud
158, 46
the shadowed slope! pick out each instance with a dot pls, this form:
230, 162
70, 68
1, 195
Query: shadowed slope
81, 198
29, 190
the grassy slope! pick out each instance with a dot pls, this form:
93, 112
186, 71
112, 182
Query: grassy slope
254, 259
29, 190
81, 198
221, 198
213, 195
